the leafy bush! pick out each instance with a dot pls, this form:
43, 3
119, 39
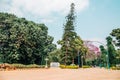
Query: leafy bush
6, 66
113, 68
69, 66
21, 66
117, 67
85, 66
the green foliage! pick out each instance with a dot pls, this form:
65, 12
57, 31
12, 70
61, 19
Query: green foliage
23, 41
111, 51
69, 66
118, 57
113, 55
116, 33
117, 67
86, 66
22, 66
55, 56
71, 44
103, 58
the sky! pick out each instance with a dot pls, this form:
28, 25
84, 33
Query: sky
95, 18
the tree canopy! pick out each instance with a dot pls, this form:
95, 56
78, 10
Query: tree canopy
116, 33
23, 41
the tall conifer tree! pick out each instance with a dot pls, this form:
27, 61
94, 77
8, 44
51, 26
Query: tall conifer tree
68, 42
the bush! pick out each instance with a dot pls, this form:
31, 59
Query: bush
21, 66
6, 66
113, 68
117, 67
85, 66
69, 66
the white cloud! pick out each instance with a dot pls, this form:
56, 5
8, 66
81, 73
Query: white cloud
43, 8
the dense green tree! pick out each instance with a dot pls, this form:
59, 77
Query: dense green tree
70, 39
78, 49
23, 41
116, 33
103, 57
111, 51
68, 35
55, 56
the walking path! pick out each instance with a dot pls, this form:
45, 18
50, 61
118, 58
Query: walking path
61, 74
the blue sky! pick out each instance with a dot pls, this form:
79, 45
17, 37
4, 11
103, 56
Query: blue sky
95, 18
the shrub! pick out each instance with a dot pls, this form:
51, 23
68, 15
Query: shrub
21, 66
117, 67
69, 66
113, 68
85, 66
6, 66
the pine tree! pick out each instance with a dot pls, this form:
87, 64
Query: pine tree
68, 42
69, 32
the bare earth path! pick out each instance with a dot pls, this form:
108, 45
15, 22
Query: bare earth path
61, 74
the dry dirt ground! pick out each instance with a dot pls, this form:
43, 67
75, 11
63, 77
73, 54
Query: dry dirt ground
61, 74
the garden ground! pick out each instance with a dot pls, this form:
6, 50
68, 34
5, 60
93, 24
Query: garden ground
61, 74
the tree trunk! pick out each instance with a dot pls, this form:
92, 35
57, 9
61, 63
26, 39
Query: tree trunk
78, 58
73, 60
